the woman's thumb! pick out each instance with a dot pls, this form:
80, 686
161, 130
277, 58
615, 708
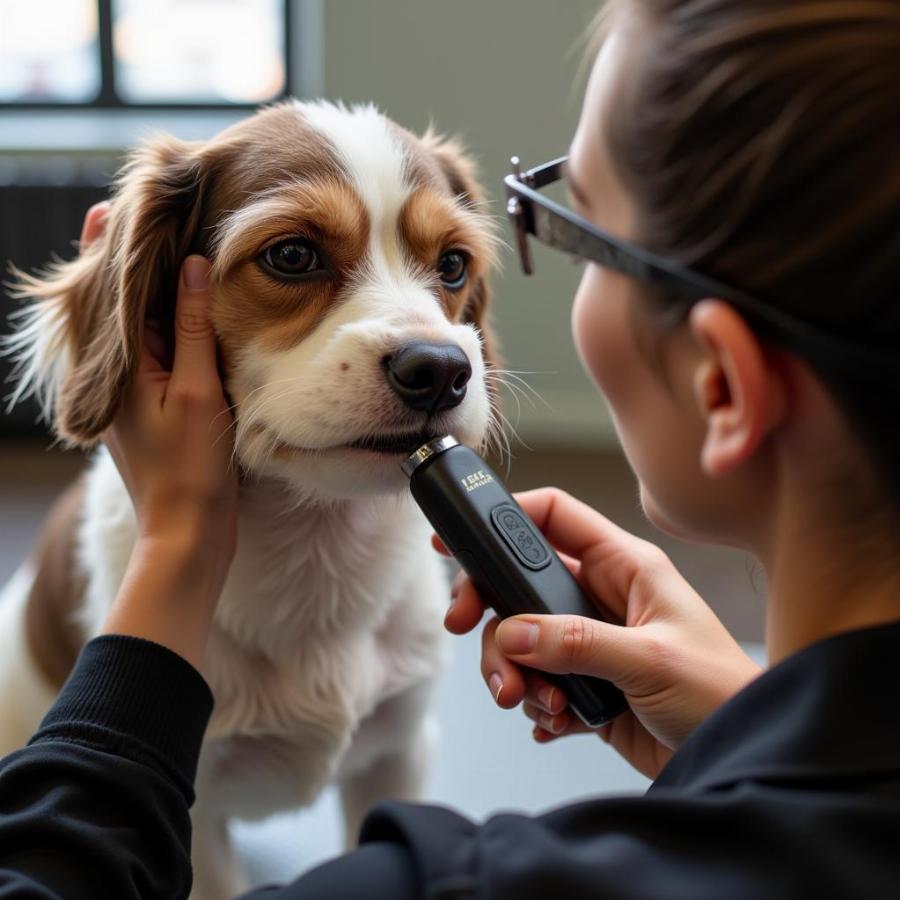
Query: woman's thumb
195, 340
570, 644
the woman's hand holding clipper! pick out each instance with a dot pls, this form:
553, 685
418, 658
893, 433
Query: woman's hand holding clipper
672, 657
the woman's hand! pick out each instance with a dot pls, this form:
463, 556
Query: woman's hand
172, 438
172, 443
672, 657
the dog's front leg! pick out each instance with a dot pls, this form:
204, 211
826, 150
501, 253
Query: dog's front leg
217, 872
392, 751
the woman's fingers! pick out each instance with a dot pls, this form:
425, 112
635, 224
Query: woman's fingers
555, 724
570, 525
94, 224
504, 679
565, 644
610, 557
540, 693
466, 607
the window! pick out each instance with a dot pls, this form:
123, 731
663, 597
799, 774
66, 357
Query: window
143, 53
49, 52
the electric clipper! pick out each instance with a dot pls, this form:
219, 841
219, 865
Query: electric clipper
509, 561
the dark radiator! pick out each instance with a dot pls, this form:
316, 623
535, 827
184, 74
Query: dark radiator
38, 221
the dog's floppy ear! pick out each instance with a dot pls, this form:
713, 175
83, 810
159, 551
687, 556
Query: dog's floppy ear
79, 342
460, 172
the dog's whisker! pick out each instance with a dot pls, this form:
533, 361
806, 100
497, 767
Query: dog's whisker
516, 436
509, 376
516, 392
252, 411
497, 437
251, 417
228, 410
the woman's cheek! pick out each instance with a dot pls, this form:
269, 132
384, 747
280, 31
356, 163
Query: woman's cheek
599, 331
584, 325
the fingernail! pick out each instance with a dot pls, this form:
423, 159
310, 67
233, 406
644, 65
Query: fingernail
195, 273
517, 637
495, 682
545, 697
551, 724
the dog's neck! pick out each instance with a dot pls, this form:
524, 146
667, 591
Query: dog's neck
305, 567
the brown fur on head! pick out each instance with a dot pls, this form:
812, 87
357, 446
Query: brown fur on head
272, 174
461, 174
86, 329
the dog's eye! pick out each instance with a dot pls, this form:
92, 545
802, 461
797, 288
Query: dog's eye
453, 268
291, 257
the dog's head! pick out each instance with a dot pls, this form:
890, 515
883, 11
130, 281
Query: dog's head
349, 283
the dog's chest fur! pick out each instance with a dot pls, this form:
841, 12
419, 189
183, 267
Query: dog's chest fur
327, 612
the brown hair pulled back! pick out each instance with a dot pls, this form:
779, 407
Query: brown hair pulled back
760, 141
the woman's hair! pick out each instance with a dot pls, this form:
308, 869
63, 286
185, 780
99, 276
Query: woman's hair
760, 141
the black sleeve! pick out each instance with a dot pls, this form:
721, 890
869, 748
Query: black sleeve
754, 841
96, 805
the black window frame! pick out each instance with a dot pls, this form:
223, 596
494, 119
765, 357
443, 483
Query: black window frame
108, 99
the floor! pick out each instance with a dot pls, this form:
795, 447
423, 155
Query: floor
487, 760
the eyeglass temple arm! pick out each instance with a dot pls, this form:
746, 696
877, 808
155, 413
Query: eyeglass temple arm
518, 212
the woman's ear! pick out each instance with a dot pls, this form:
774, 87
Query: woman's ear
738, 392
80, 340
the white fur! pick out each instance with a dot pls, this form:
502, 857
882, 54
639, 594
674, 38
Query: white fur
329, 622
328, 635
38, 349
363, 140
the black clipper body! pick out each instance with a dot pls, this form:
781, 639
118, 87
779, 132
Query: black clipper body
509, 561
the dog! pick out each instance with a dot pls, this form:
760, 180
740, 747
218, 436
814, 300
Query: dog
350, 297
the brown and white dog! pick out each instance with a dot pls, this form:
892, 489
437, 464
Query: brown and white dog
349, 266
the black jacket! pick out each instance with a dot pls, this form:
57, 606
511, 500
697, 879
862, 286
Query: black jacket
791, 790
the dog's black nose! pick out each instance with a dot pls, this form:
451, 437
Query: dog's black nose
428, 377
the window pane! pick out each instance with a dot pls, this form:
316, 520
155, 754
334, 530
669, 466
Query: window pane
199, 51
49, 51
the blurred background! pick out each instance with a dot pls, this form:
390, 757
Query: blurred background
81, 81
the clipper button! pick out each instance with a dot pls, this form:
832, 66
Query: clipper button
519, 535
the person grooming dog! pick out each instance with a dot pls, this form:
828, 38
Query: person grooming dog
747, 145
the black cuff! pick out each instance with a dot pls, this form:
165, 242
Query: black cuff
137, 699
440, 843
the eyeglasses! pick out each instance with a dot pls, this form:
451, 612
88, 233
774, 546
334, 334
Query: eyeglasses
532, 213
